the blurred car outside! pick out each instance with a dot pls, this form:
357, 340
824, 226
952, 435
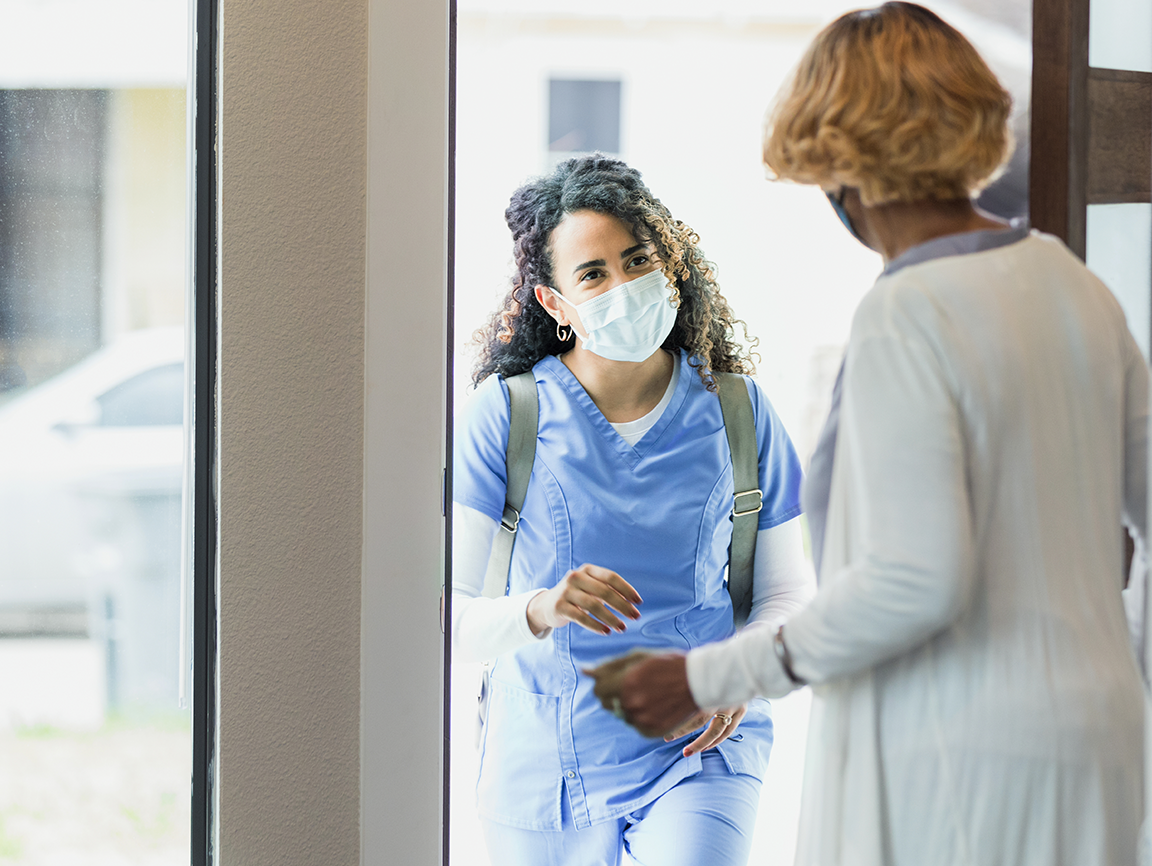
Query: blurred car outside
90, 496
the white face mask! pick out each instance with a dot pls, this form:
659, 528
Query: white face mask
630, 321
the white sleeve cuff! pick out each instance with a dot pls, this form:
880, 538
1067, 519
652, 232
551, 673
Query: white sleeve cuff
734, 671
525, 630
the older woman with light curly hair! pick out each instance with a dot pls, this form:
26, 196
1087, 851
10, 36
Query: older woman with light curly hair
976, 697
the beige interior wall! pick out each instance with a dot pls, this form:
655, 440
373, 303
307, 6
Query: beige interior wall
293, 173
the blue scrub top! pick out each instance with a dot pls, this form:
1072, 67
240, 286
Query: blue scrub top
658, 514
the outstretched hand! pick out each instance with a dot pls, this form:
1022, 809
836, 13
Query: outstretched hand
589, 596
649, 691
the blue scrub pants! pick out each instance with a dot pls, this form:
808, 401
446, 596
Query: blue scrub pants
706, 820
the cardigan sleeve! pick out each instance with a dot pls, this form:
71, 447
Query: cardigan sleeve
901, 446
902, 450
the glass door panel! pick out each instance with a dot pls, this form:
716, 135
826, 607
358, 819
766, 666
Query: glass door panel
1119, 212
95, 757
1119, 237
783, 259
1120, 253
1120, 35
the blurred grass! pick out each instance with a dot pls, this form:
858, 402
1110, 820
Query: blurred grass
10, 849
118, 796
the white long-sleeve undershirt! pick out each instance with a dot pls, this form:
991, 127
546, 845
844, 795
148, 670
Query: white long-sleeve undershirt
484, 628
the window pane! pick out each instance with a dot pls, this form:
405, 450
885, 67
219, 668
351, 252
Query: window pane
95, 758
51, 147
1119, 251
1120, 35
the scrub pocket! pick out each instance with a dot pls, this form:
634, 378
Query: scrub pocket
748, 750
520, 778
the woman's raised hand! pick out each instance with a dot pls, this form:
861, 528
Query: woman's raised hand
589, 596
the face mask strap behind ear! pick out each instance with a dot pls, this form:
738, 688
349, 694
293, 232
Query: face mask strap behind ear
571, 327
836, 199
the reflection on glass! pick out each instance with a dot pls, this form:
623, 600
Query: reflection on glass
690, 83
94, 746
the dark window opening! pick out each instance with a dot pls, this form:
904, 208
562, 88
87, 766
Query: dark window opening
51, 187
583, 116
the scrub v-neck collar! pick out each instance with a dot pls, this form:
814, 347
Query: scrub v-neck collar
630, 454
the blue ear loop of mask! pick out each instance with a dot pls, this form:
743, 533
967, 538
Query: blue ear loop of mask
836, 199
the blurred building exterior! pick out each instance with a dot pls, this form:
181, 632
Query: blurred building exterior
92, 178
93, 205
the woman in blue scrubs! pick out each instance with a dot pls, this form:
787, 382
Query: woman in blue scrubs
624, 533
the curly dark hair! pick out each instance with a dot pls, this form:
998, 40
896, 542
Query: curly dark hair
521, 332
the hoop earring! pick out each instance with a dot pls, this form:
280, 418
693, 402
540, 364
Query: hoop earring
560, 334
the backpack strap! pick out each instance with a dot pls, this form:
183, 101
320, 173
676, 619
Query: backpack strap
747, 498
525, 411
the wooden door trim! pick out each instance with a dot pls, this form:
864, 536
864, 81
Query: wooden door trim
1058, 168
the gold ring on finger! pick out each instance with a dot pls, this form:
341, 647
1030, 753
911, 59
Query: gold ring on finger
725, 718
